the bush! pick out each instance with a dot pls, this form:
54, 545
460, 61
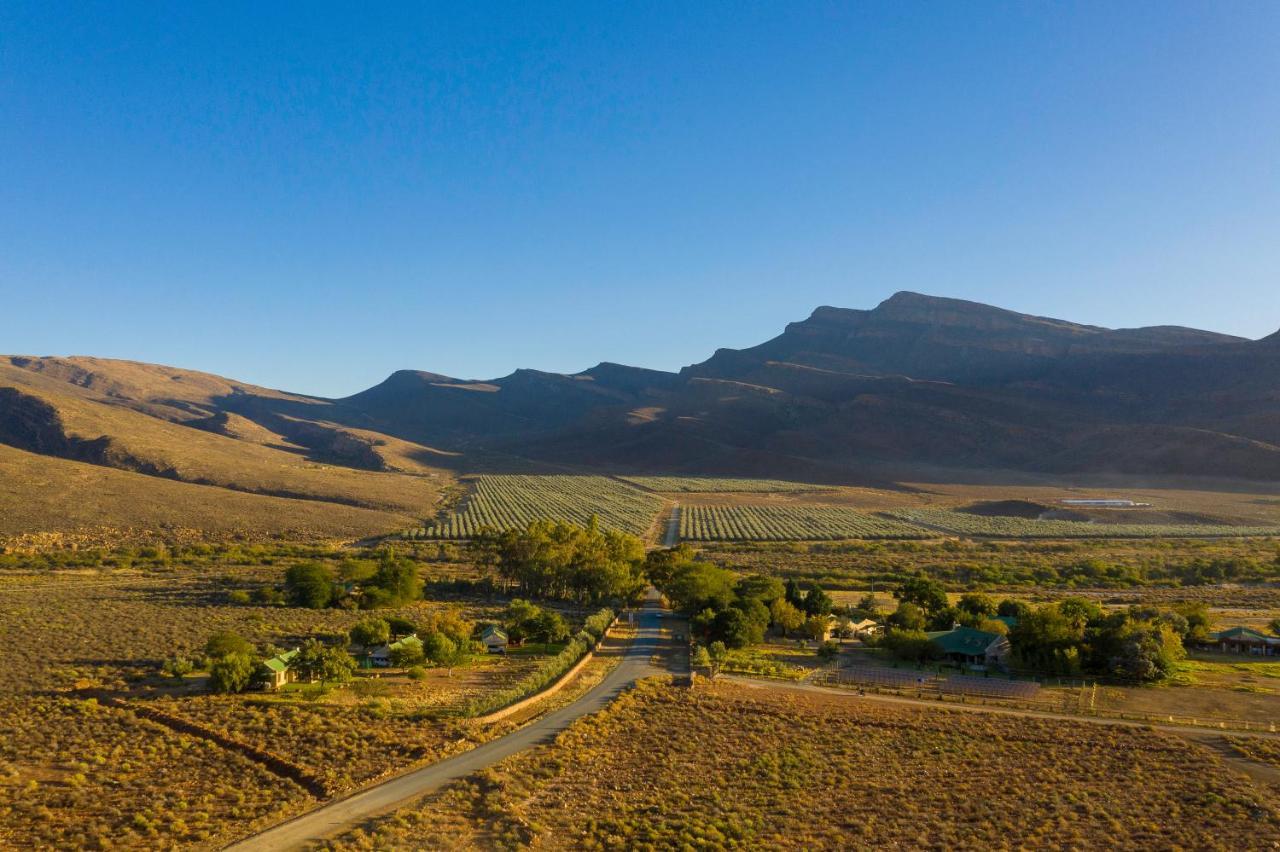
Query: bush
231, 673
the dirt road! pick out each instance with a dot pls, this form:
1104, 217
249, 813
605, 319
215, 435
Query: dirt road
673, 527
1186, 730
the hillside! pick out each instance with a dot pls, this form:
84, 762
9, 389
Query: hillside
916, 381
46, 501
93, 445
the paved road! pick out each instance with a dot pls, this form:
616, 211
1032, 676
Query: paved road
336, 816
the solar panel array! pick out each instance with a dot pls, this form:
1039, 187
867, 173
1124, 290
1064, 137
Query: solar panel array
896, 678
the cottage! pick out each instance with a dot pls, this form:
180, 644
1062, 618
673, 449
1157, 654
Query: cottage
1244, 640
276, 671
382, 656
494, 639
865, 627
969, 647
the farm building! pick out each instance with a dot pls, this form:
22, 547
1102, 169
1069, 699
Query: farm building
277, 672
381, 657
494, 639
1244, 640
865, 627
969, 647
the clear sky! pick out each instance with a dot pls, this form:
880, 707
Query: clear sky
310, 196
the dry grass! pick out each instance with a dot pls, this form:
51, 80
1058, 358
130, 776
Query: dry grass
75, 775
50, 502
72, 772
733, 767
258, 465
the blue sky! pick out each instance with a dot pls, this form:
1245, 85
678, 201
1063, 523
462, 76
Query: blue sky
310, 196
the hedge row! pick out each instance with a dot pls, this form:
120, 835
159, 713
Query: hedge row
585, 640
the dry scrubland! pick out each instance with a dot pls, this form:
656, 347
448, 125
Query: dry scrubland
729, 766
76, 772
50, 502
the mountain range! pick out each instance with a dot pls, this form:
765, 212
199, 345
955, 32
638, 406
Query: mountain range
918, 380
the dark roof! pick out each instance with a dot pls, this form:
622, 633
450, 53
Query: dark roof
1243, 634
963, 640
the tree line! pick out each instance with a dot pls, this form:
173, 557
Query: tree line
559, 560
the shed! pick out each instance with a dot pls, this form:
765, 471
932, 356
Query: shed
381, 657
494, 639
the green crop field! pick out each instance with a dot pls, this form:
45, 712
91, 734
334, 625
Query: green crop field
789, 523
511, 502
964, 523
718, 485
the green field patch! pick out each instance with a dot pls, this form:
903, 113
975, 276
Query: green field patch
789, 523
512, 502
986, 526
719, 485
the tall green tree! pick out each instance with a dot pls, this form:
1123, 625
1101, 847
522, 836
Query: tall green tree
785, 616
231, 672
370, 632
309, 584
316, 661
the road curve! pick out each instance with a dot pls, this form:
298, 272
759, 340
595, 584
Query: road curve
333, 818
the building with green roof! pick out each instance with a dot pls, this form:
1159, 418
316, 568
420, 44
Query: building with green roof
968, 646
381, 657
276, 670
1244, 640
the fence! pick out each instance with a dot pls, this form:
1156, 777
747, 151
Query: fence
1023, 695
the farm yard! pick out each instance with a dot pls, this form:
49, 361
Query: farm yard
733, 766
511, 502
986, 526
789, 523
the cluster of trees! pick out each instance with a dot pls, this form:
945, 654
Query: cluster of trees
1077, 636
923, 605
445, 639
554, 559
234, 664
358, 584
1073, 636
526, 621
733, 610
231, 661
